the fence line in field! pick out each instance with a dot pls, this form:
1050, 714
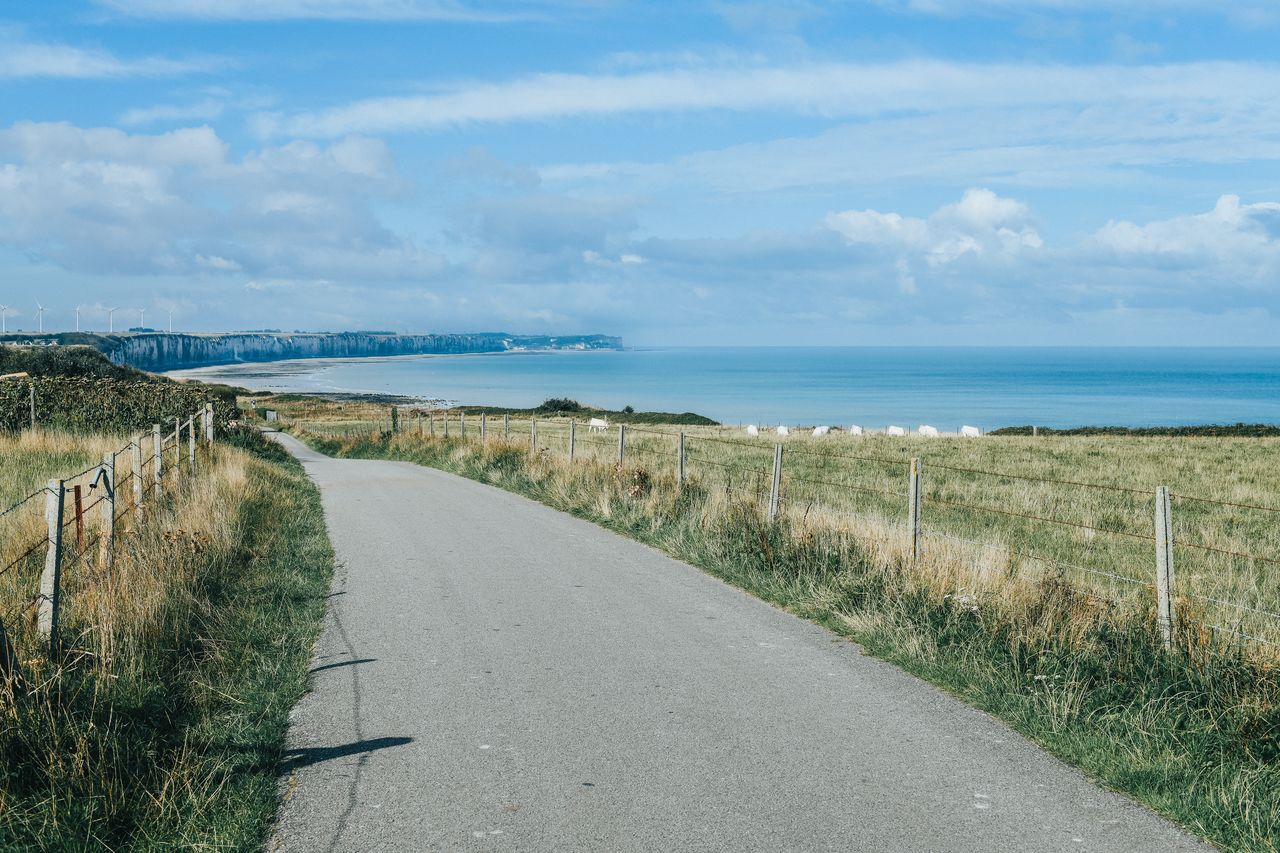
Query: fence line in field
775, 483
65, 514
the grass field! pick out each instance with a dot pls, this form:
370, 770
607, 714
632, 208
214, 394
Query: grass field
1081, 507
161, 723
1072, 659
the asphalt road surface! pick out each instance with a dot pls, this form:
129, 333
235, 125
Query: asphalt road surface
496, 675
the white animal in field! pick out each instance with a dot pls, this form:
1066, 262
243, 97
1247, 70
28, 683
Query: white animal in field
822, 430
929, 431
855, 430
970, 431
783, 431
597, 425
895, 430
753, 430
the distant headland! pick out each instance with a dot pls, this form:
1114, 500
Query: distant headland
159, 351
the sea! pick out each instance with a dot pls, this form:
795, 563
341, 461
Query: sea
945, 387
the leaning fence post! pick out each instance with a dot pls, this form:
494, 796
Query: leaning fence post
775, 492
1164, 565
913, 510
51, 578
622, 443
573, 438
157, 461
680, 460
135, 460
107, 480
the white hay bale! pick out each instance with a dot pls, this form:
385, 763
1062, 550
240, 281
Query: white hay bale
822, 430
753, 430
970, 431
895, 430
855, 430
783, 431
928, 431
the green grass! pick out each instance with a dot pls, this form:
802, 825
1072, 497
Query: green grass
1192, 733
164, 728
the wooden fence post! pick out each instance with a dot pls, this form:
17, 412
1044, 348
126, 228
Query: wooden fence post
191, 443
622, 443
446, 424
484, 433
106, 480
680, 473
462, 424
395, 419
177, 450
208, 422
533, 434
77, 506
573, 438
776, 491
157, 461
422, 429
135, 460
431, 423
31, 387
1164, 566
47, 616
506, 425
913, 510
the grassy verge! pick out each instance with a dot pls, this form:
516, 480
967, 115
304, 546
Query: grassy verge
164, 726
1194, 734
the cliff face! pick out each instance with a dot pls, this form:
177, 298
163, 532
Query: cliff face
171, 352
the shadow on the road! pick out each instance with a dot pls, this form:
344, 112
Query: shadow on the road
342, 663
295, 758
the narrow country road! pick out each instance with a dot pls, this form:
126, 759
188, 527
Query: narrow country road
495, 675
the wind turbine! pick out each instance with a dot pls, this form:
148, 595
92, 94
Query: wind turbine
77, 318
4, 315
40, 316
142, 317
171, 321
111, 320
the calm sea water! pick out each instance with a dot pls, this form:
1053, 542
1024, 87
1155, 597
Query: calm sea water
945, 387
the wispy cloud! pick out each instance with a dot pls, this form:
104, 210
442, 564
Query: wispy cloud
24, 59
332, 10
830, 89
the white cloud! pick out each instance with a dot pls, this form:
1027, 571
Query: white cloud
23, 59
1231, 231
830, 89
102, 200
332, 10
981, 223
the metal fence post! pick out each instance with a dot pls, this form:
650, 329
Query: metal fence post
573, 438
622, 443
47, 616
913, 510
135, 459
157, 461
1164, 566
106, 480
776, 490
680, 460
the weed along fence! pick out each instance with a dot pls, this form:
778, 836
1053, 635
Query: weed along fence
1202, 567
68, 530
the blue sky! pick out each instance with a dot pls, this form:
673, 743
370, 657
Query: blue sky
875, 172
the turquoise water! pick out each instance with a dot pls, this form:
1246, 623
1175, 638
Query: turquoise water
873, 387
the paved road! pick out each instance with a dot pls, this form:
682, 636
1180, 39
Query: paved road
495, 675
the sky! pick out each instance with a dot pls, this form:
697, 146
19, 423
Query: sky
867, 172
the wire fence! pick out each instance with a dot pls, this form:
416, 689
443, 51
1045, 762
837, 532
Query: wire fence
70, 525
1193, 560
